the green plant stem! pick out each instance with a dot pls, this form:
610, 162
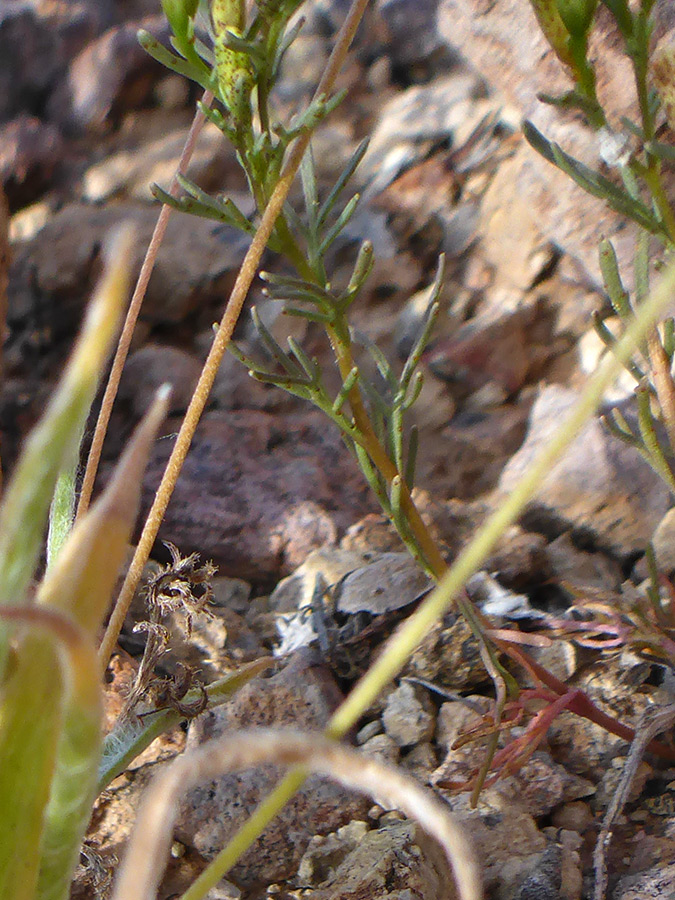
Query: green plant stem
404, 641
585, 78
222, 338
293, 252
652, 172
428, 547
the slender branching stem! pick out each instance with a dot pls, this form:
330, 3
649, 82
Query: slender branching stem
663, 382
132, 315
427, 545
407, 637
221, 340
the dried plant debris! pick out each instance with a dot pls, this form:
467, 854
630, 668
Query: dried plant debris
654, 721
181, 586
349, 615
95, 872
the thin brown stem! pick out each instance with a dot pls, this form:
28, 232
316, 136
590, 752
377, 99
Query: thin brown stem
384, 464
654, 721
663, 382
5, 257
132, 315
237, 297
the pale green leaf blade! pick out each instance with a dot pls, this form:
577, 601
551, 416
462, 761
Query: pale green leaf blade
84, 575
24, 508
80, 584
30, 716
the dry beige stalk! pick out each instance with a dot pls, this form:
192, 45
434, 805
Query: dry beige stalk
141, 871
223, 336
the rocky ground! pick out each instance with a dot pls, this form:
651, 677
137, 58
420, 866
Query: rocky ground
87, 123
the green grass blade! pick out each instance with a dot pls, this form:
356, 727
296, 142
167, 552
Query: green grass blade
74, 785
80, 585
55, 439
31, 714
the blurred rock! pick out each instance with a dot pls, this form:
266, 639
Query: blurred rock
663, 543
301, 696
506, 838
258, 493
420, 761
654, 884
448, 656
393, 862
543, 882
328, 563
224, 890
149, 368
541, 785
511, 230
504, 43
111, 75
30, 151
58, 267
561, 658
412, 121
408, 716
326, 852
581, 569
373, 533
412, 29
388, 582
132, 171
601, 488
519, 559
455, 718
383, 747
37, 41
497, 347
473, 449
574, 816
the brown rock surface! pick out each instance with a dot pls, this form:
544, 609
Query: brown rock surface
303, 696
601, 488
258, 492
502, 41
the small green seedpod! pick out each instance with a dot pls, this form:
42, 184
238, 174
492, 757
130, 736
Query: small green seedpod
233, 67
577, 15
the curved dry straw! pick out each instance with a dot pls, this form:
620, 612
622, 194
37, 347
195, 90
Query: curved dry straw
140, 873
